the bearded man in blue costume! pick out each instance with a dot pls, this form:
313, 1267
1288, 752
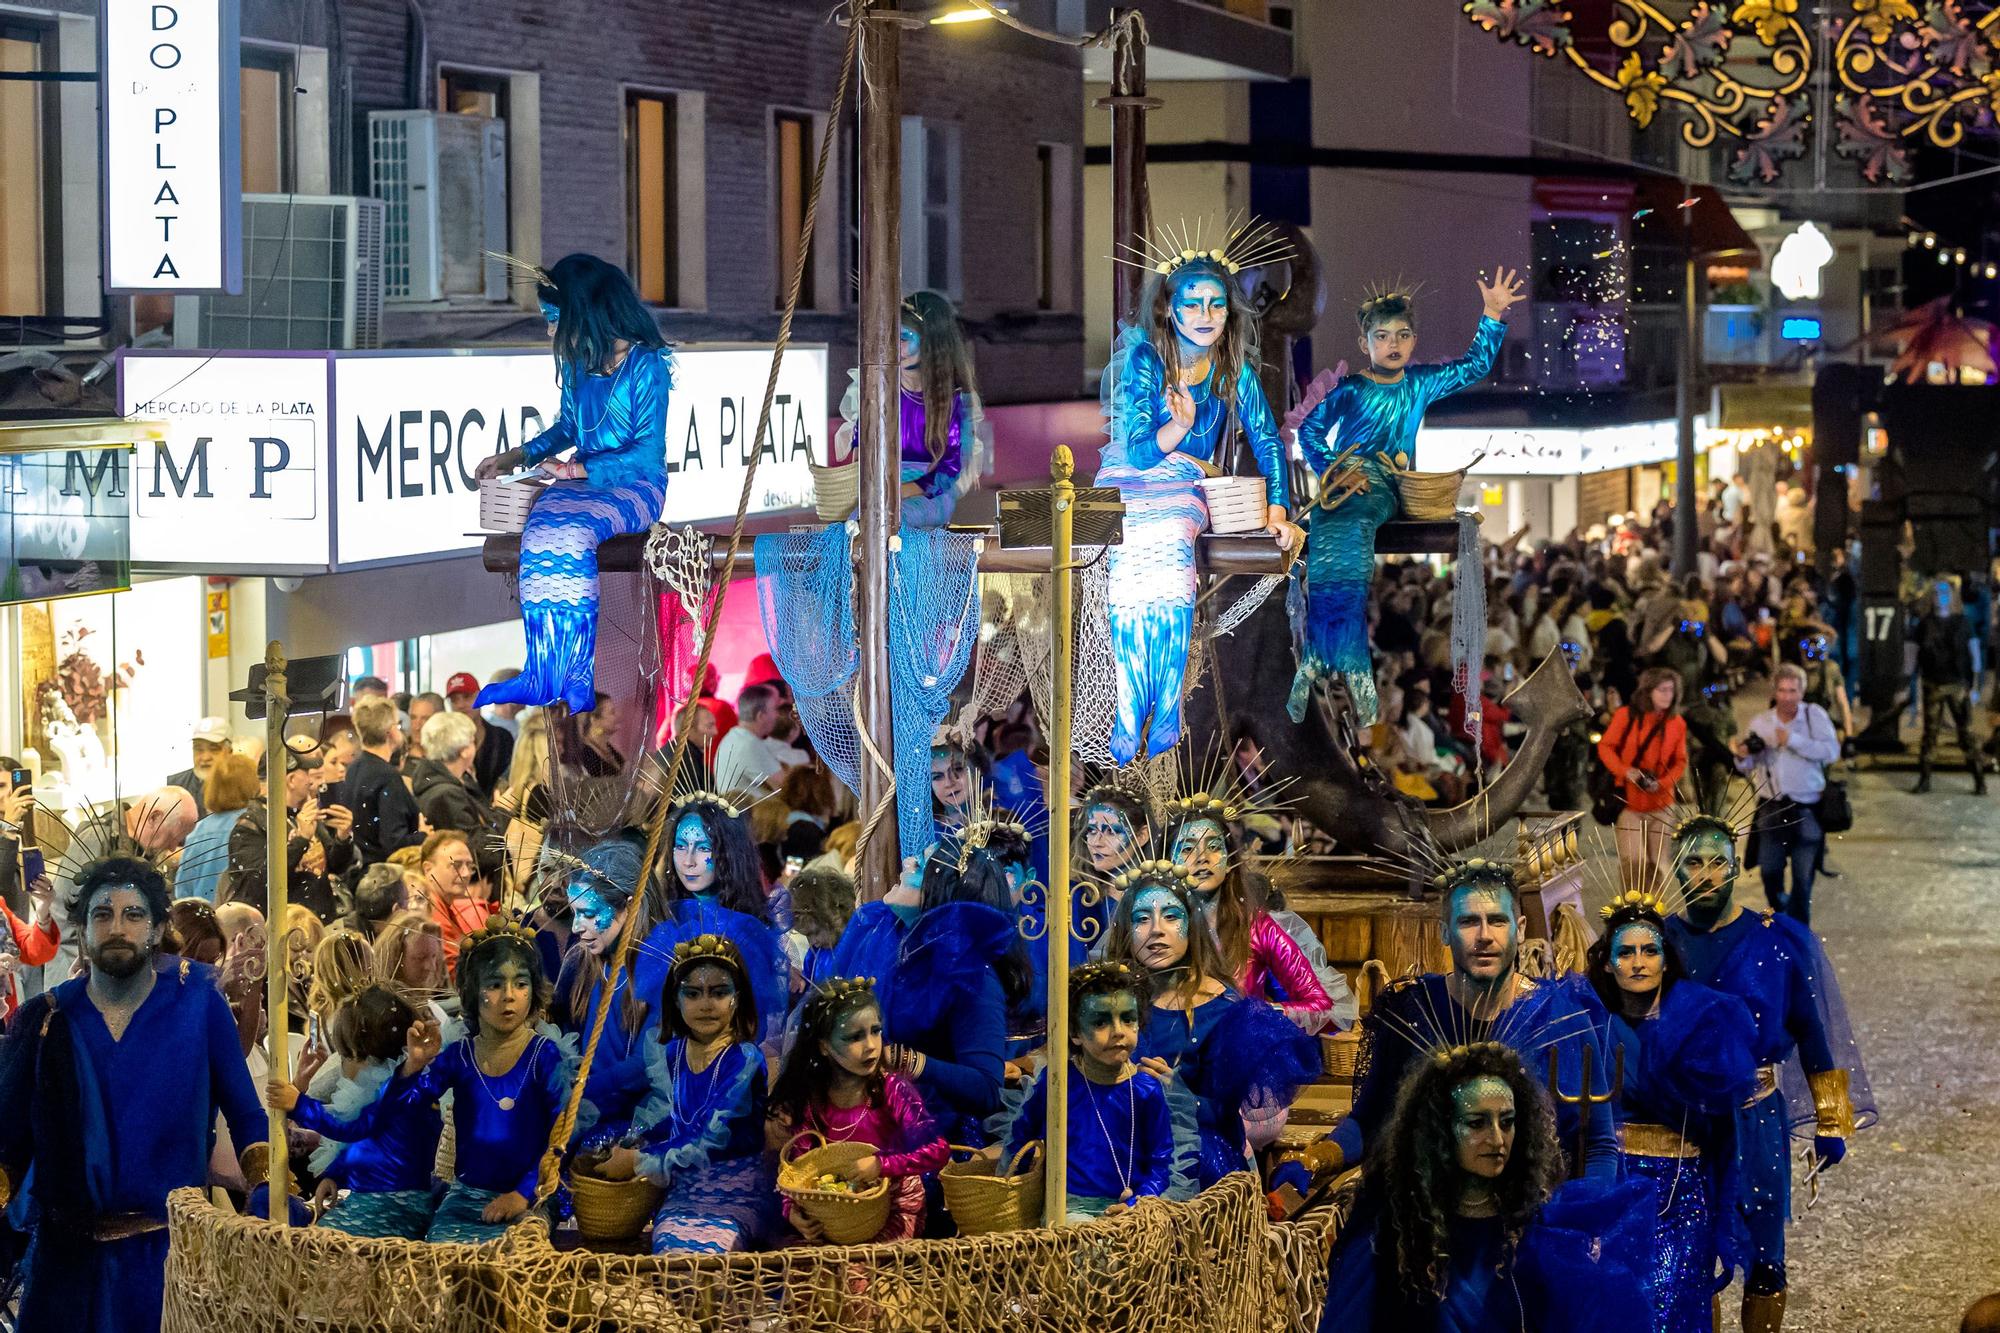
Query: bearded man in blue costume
109, 1089
1177, 387
1777, 968
1483, 999
615, 372
1366, 424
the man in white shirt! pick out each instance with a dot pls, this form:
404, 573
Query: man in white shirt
749, 758
1784, 753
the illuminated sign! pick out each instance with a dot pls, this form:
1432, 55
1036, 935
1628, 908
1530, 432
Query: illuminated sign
172, 180
1556, 451
1800, 328
1796, 267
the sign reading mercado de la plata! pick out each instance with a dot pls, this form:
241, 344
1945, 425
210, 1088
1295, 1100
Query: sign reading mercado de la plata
307, 462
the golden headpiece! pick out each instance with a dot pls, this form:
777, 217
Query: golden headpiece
981, 832
497, 927
1643, 900
1446, 1054
1379, 295
1203, 805
1474, 868
1104, 970
1243, 244
836, 991
1141, 871
702, 796
706, 949
1704, 822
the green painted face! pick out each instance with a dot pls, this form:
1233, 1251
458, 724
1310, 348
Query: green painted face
1107, 1031
1705, 863
1482, 931
1483, 1126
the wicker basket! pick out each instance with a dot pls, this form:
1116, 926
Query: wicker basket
504, 505
612, 1210
836, 490
1432, 495
848, 1217
1235, 504
1339, 1054
981, 1201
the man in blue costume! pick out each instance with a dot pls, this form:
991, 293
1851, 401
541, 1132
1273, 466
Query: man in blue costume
1776, 966
1483, 998
109, 1088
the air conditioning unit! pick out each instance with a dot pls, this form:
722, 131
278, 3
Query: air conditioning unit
312, 279
444, 179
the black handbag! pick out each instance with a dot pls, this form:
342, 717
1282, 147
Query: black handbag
1835, 811
1607, 793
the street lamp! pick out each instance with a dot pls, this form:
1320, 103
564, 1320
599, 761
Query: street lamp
1684, 391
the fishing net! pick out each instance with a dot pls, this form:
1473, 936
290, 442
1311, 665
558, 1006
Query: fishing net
805, 591
679, 560
1017, 631
1094, 683
1468, 619
587, 797
933, 627
1002, 668
1215, 1264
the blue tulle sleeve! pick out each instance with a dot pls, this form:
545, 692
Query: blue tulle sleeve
868, 947
1823, 1031
1256, 1054
1133, 401
1585, 1255
1697, 1054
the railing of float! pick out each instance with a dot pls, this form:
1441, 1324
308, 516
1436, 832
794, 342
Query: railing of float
1215, 1264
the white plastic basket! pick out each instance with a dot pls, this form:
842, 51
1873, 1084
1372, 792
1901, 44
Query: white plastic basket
1235, 504
504, 505
836, 491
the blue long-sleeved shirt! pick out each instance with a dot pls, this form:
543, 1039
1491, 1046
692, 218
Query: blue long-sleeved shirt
1136, 398
616, 423
1120, 1136
693, 1119
1384, 418
390, 1144
497, 1148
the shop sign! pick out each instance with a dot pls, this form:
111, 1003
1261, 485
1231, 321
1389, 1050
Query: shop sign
412, 428
60, 535
1544, 452
239, 484
172, 179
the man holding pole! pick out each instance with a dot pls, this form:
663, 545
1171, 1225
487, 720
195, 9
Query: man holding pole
109, 1088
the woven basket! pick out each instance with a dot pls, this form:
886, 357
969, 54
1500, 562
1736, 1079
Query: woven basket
612, 1209
504, 505
982, 1202
848, 1217
1235, 504
1339, 1053
836, 491
1431, 495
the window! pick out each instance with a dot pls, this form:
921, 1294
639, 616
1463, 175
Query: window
930, 205
464, 92
652, 205
266, 81
27, 260
793, 147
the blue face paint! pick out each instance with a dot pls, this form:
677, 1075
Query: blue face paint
1200, 310
590, 906
550, 313
694, 855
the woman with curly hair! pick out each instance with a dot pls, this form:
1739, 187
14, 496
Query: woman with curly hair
1460, 1225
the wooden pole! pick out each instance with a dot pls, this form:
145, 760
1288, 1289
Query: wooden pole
1684, 404
277, 948
1055, 1148
1131, 209
878, 430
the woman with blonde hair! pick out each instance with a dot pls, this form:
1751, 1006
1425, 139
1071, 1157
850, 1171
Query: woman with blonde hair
232, 784
342, 967
525, 800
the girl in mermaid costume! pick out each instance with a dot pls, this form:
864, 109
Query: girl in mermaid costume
939, 420
615, 372
1176, 387
1372, 419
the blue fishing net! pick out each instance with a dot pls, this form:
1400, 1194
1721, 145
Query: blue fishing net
805, 591
933, 625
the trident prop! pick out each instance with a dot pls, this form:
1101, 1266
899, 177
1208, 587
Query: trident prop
1585, 1100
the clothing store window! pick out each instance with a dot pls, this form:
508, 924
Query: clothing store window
266, 81
652, 204
28, 260
793, 146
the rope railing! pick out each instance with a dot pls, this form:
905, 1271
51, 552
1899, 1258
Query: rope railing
565, 1124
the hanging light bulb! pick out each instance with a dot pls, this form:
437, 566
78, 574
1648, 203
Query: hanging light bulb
1930, 240
1959, 257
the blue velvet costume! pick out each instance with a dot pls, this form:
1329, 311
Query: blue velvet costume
497, 1149
940, 995
387, 1150
1576, 1270
1152, 574
616, 424
1383, 419
1227, 1051
617, 1081
1687, 1069
97, 1129
1120, 1137
1776, 967
702, 1137
1562, 1014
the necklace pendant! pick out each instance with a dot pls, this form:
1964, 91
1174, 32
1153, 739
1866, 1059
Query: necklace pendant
505, 1103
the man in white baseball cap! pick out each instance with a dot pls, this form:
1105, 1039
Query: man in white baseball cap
211, 739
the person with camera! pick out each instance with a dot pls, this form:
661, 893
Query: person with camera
1644, 749
1784, 753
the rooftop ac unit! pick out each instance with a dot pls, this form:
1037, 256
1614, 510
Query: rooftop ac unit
444, 178
312, 279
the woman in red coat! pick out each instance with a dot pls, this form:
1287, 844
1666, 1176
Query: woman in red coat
1645, 748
